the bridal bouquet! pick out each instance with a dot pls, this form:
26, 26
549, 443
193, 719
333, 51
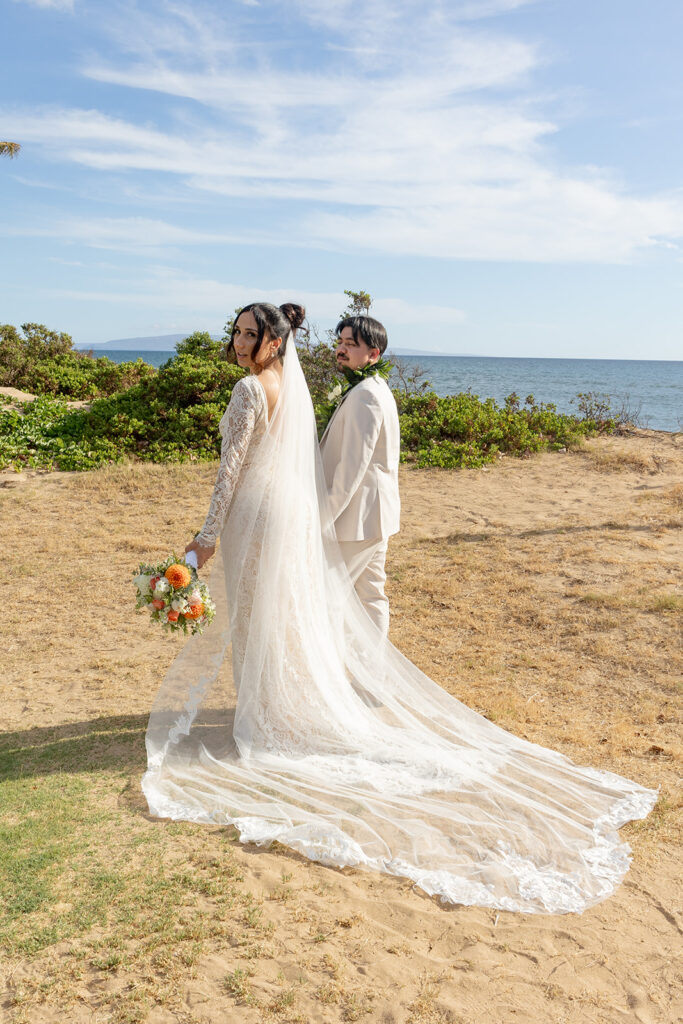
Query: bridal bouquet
175, 595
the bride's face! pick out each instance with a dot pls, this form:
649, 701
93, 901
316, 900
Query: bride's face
245, 337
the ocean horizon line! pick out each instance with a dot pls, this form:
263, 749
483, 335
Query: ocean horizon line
415, 353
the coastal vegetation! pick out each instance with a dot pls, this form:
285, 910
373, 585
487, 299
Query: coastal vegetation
44, 362
90, 411
466, 431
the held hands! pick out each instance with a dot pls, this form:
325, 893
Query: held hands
203, 554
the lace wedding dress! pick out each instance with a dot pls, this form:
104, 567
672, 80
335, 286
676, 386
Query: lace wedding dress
292, 718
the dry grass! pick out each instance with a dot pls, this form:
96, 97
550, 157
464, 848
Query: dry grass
611, 460
545, 594
548, 657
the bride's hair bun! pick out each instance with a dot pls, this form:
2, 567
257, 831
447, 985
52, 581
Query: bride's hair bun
295, 314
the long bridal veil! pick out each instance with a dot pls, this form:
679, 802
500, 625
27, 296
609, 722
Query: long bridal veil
292, 719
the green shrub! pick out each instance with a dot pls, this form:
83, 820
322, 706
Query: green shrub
319, 366
201, 344
32, 437
464, 431
44, 362
172, 416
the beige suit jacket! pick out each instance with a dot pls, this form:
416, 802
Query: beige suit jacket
360, 451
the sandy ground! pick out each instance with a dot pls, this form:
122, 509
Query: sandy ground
17, 397
546, 593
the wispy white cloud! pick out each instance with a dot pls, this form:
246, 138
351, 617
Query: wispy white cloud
482, 192
477, 9
544, 219
364, 163
141, 235
57, 5
433, 68
431, 144
399, 311
204, 303
398, 18
50, 186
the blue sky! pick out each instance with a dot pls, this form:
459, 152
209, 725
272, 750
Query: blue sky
505, 177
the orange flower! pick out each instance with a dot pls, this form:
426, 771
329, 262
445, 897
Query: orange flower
194, 611
178, 576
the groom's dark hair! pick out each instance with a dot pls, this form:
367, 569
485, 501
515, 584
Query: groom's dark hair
366, 329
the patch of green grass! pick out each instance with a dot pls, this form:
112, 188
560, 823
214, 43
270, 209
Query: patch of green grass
237, 984
78, 860
115, 743
37, 841
283, 1001
252, 915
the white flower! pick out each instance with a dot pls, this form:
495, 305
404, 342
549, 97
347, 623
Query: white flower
142, 583
335, 393
162, 587
195, 597
179, 604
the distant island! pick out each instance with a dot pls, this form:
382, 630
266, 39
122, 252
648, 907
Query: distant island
157, 343
168, 342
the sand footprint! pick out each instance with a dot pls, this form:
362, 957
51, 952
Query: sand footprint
641, 1006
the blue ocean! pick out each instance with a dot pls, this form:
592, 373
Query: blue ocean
652, 390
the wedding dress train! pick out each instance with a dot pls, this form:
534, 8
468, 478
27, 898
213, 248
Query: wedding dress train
292, 719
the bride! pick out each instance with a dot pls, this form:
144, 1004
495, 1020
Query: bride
294, 720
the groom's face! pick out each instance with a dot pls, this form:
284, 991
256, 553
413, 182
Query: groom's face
352, 353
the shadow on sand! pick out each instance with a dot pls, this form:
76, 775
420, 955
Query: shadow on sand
114, 743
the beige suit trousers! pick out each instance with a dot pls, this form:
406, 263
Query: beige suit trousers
365, 561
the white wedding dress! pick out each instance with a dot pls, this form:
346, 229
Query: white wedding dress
292, 719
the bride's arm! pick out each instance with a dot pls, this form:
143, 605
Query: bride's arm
237, 427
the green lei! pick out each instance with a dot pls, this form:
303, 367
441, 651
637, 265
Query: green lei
353, 377
382, 367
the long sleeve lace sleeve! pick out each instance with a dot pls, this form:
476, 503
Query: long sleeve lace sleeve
237, 428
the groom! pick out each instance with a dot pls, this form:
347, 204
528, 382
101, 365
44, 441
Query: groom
360, 453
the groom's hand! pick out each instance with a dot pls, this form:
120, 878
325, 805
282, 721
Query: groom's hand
203, 554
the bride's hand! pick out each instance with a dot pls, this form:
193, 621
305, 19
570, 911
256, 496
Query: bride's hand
203, 554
